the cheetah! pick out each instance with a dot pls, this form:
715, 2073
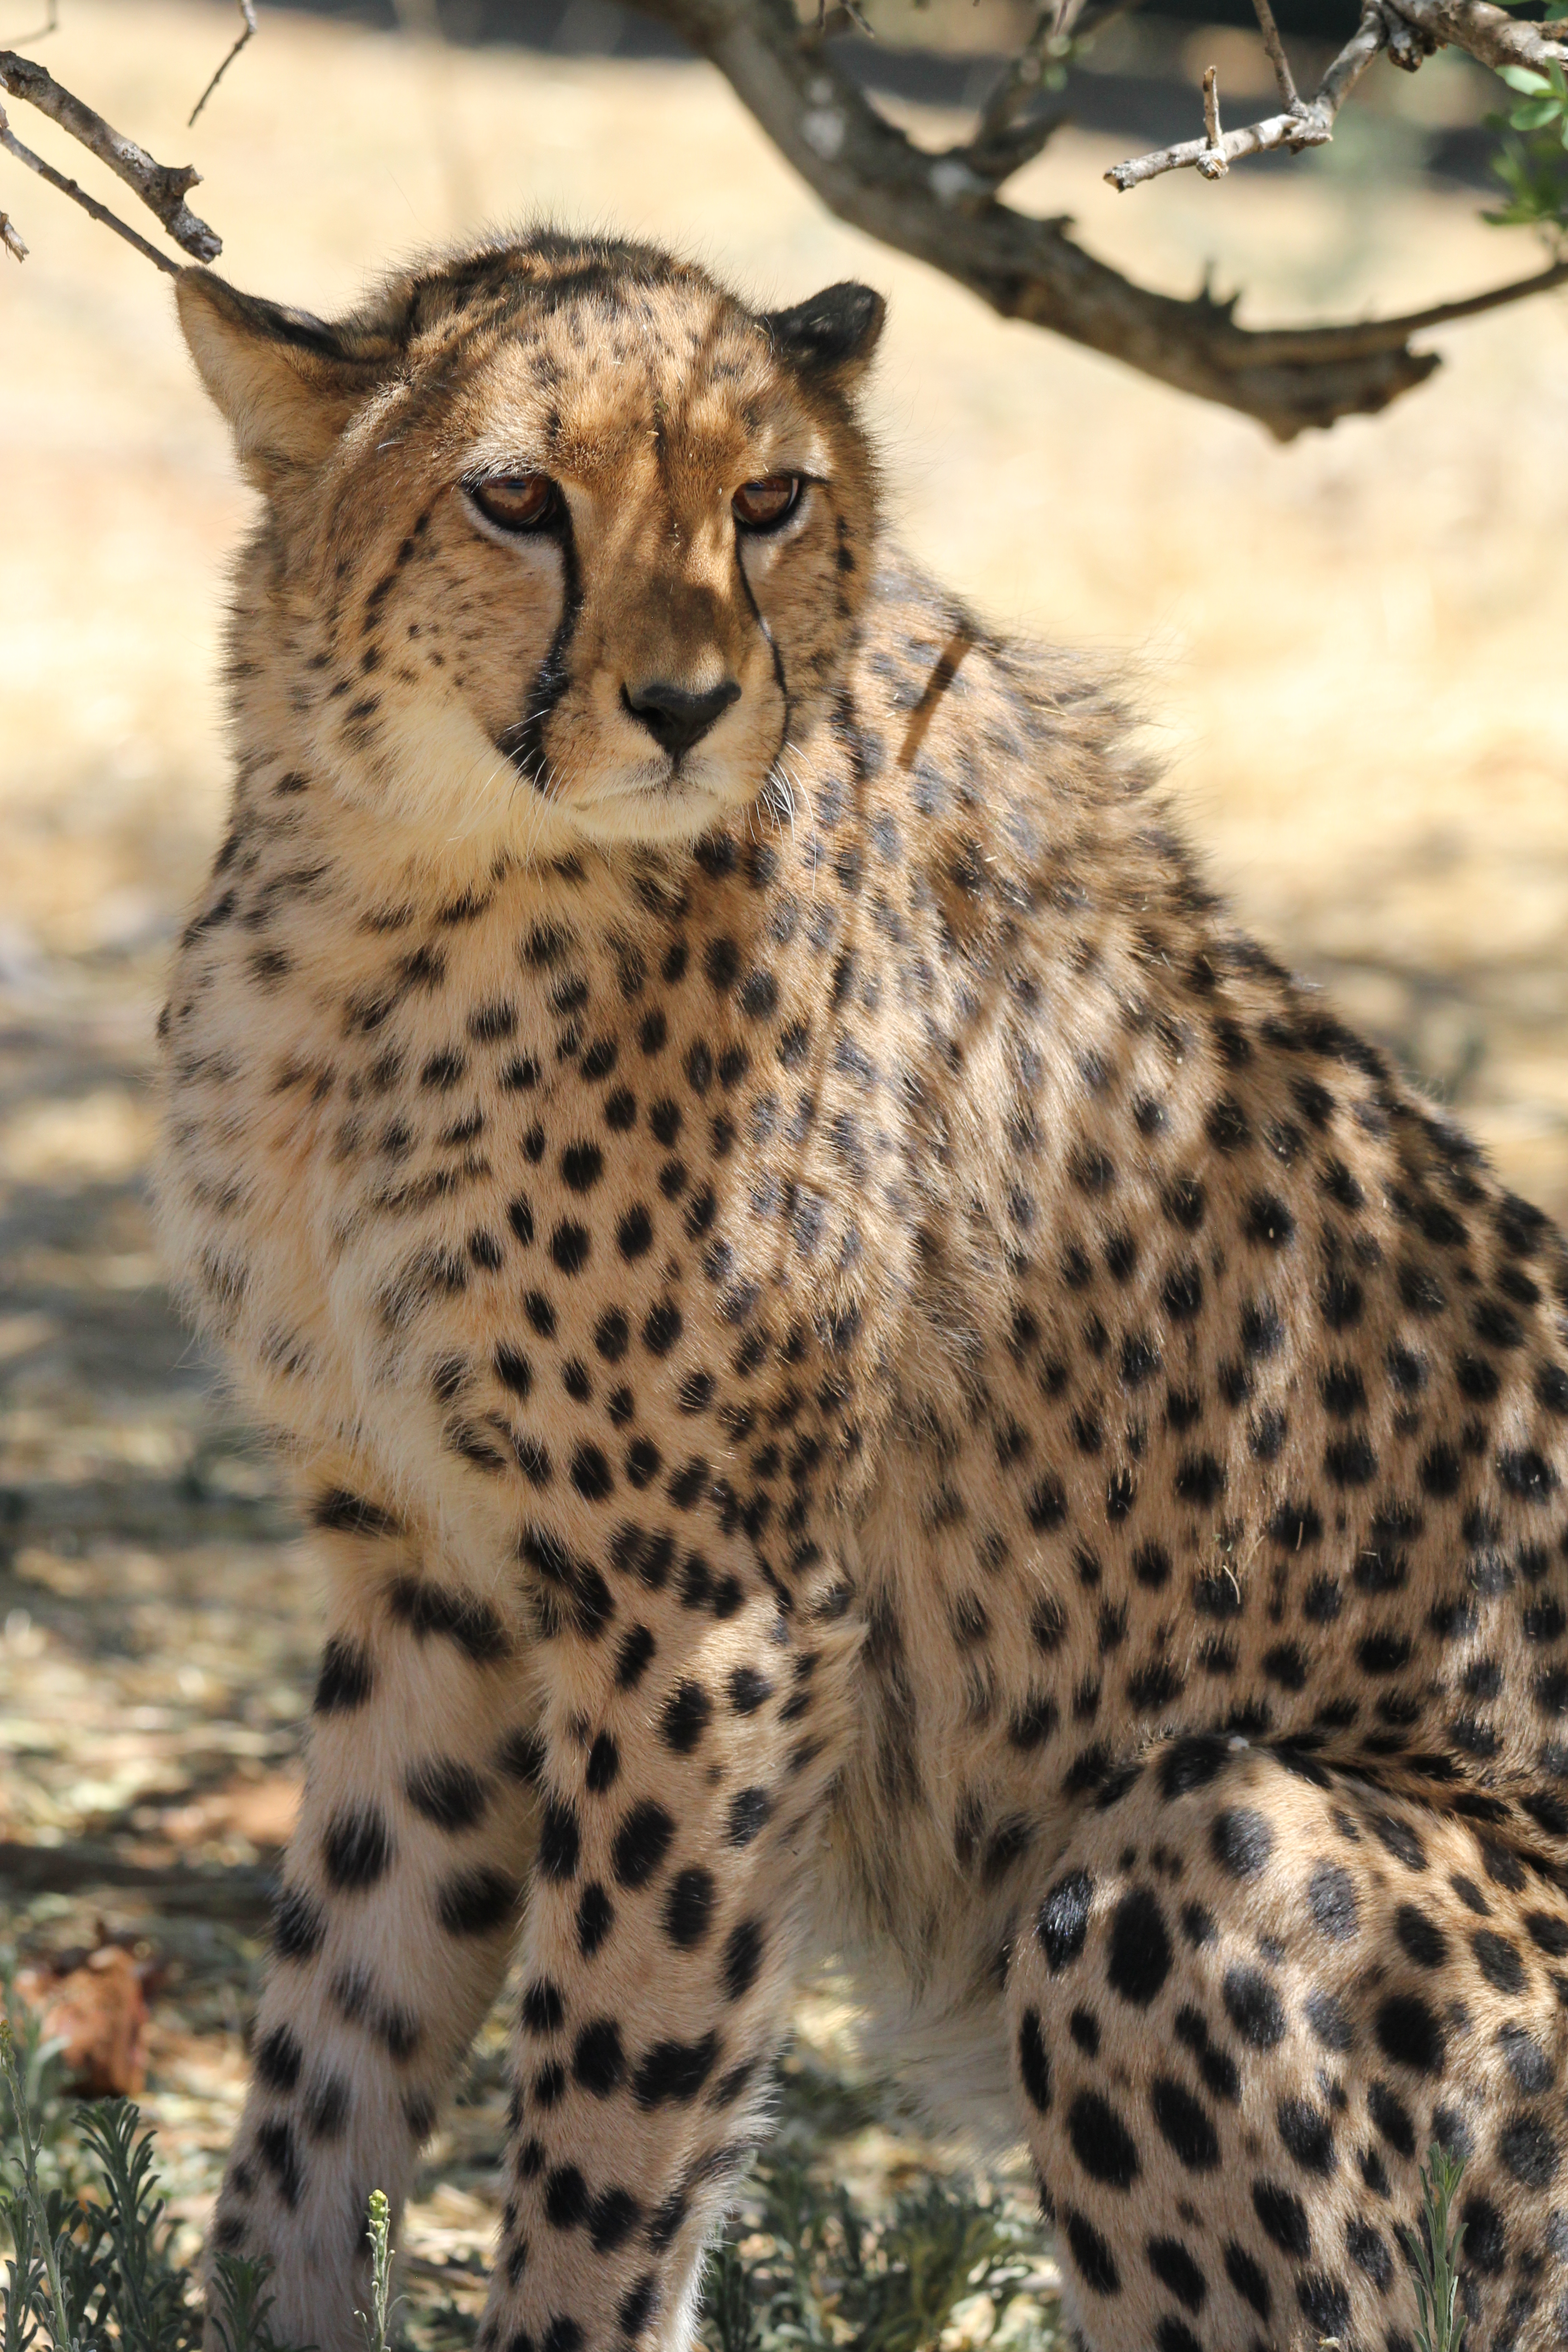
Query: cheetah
866, 1373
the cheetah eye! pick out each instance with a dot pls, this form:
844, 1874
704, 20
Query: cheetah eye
763, 506
517, 502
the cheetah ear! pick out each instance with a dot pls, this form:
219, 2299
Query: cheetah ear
286, 383
834, 334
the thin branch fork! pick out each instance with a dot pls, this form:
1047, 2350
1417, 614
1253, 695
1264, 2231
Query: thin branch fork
1008, 134
1304, 123
89, 204
1410, 29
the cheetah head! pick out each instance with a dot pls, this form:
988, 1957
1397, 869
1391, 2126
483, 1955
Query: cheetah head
561, 541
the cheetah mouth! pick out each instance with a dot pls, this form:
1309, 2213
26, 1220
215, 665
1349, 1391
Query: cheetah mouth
677, 808
670, 799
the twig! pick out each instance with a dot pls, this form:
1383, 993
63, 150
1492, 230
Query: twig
1024, 76
1410, 29
160, 186
1277, 57
247, 30
826, 10
89, 204
1303, 125
1212, 163
10, 240
1003, 141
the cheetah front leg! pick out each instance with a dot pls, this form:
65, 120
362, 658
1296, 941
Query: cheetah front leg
690, 1732
401, 1894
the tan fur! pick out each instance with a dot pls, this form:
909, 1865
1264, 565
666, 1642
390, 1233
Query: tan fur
865, 1368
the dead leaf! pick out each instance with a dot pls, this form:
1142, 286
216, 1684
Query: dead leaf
99, 2011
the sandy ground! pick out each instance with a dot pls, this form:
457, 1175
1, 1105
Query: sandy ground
1355, 649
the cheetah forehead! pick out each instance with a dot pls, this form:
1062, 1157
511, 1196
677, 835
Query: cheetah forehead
586, 353
583, 398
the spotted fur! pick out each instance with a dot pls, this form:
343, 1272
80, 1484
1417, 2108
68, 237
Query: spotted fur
863, 1367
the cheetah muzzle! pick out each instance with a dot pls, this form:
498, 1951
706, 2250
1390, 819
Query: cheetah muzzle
863, 1367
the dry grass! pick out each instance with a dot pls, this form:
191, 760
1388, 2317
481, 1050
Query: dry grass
1357, 645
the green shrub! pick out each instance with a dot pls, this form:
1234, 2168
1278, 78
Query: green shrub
805, 2268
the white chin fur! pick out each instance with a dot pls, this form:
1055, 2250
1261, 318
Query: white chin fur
664, 815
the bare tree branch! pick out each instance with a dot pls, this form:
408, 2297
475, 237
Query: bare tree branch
89, 204
943, 210
247, 33
1490, 35
160, 186
8, 236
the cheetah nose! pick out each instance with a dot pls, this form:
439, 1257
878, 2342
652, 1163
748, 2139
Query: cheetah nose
674, 716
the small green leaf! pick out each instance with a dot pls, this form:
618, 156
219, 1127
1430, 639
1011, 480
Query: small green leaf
1523, 78
1535, 114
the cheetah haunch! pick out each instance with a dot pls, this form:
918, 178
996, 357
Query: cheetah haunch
865, 1370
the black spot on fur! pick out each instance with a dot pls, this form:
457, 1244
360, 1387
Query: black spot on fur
1241, 1842
1174, 2266
1140, 1956
673, 2072
1101, 2141
1034, 2062
1254, 2008
641, 1843
346, 1678
1184, 2125
1063, 1923
278, 2059
356, 1851
1283, 2217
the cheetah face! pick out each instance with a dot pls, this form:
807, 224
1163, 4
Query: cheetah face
563, 542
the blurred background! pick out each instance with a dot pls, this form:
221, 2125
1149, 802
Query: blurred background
1352, 651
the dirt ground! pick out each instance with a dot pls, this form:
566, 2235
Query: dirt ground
1355, 649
